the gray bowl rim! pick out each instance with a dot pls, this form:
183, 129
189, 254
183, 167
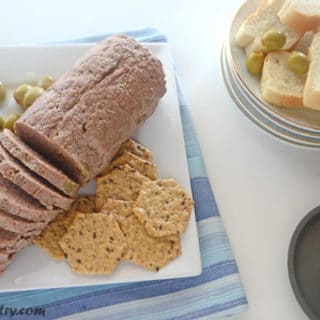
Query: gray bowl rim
300, 228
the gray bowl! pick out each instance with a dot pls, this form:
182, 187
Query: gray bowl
304, 263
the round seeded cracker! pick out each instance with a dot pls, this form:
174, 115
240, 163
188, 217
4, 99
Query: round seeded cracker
122, 183
163, 207
94, 244
145, 167
147, 251
137, 149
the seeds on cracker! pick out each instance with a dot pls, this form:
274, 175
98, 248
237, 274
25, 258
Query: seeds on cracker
145, 167
49, 238
137, 149
145, 250
163, 207
142, 248
118, 208
94, 243
122, 183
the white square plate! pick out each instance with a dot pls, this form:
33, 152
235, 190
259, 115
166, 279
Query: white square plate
162, 133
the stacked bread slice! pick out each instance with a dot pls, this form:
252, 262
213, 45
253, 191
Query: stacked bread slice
279, 85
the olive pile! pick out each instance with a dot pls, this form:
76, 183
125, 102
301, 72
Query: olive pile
24, 95
273, 40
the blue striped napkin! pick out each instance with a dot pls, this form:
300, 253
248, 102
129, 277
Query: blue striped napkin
216, 293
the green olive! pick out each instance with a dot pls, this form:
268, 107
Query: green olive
46, 82
31, 96
10, 120
85, 170
3, 92
1, 123
298, 62
69, 186
274, 40
255, 62
20, 92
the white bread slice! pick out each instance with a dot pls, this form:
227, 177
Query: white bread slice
255, 24
279, 85
276, 4
304, 43
292, 38
311, 94
301, 15
262, 20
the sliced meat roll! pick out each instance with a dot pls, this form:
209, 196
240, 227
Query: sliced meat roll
80, 122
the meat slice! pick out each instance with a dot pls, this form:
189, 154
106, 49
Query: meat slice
11, 243
31, 184
8, 239
16, 202
80, 122
2, 267
15, 241
4, 256
7, 258
37, 163
19, 225
20, 244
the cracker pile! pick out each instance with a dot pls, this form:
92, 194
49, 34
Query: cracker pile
49, 238
133, 217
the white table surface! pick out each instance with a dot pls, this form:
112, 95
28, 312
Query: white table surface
263, 187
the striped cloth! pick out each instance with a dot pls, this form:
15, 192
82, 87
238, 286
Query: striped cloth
216, 293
